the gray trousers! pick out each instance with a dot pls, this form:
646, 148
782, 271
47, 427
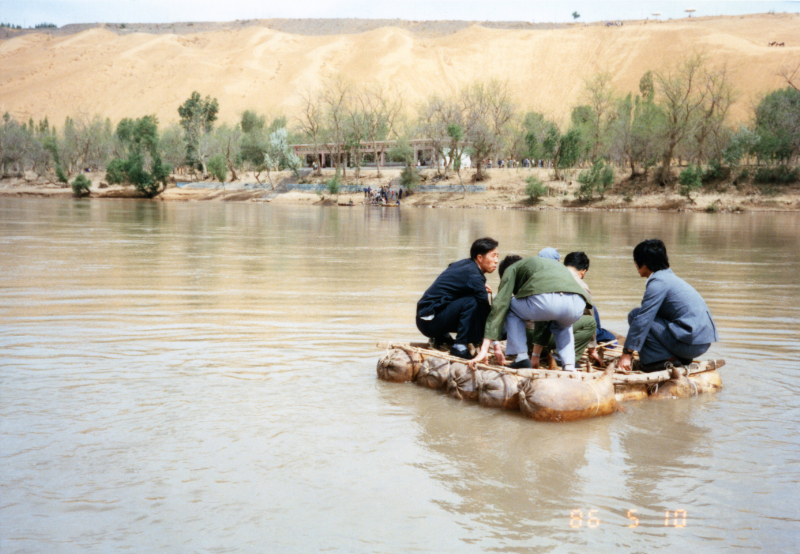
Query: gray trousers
660, 345
562, 309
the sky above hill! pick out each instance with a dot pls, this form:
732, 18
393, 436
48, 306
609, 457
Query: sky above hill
61, 12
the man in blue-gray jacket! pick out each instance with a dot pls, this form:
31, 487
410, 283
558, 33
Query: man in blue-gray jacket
673, 323
458, 300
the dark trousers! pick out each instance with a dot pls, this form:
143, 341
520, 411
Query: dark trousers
466, 317
660, 345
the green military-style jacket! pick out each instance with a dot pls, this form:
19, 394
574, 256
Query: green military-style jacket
526, 278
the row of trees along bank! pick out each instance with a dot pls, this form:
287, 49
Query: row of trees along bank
679, 113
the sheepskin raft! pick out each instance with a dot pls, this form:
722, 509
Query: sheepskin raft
568, 399
434, 372
544, 394
399, 365
498, 389
464, 382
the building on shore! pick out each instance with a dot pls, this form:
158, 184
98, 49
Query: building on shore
424, 153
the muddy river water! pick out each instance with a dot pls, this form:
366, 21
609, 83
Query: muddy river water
200, 377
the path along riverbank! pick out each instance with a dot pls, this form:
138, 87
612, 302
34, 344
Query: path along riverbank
504, 189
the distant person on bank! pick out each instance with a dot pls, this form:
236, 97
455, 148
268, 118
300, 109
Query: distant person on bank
673, 324
458, 300
534, 289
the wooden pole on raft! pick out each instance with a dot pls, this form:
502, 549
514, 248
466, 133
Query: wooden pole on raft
526, 373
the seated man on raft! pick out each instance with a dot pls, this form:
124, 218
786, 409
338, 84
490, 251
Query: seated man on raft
458, 300
534, 289
673, 324
584, 330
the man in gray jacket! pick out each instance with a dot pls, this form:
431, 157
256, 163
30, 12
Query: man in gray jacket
673, 323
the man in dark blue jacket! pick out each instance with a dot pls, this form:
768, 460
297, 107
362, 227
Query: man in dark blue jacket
673, 323
458, 300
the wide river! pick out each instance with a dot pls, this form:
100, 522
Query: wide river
200, 377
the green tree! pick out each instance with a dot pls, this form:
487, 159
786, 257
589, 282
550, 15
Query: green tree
598, 180
647, 87
636, 132
534, 188
575, 15
278, 153
173, 146
217, 167
252, 122
690, 179
197, 117
599, 113
777, 124
402, 151
143, 166
81, 186
19, 148
456, 150
536, 129
741, 143
564, 150
226, 141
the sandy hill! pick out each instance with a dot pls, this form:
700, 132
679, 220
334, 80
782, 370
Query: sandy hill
266, 65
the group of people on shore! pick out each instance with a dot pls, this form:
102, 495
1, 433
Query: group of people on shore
383, 195
543, 305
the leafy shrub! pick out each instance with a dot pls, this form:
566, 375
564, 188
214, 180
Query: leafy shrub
115, 172
333, 186
81, 186
132, 171
690, 179
597, 179
715, 172
741, 143
61, 175
409, 178
535, 189
780, 175
217, 168
712, 208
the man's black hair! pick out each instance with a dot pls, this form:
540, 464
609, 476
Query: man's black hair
507, 262
578, 260
651, 253
481, 247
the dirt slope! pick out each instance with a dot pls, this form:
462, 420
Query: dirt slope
100, 70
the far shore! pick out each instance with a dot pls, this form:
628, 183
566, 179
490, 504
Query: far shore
504, 189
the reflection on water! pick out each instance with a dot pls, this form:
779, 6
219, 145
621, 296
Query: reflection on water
201, 377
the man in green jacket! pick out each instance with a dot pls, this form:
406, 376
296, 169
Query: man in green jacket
535, 289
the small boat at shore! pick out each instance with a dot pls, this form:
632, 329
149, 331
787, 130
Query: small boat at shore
545, 394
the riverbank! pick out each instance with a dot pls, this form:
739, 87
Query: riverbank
505, 189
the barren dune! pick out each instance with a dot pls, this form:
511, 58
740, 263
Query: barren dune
102, 71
